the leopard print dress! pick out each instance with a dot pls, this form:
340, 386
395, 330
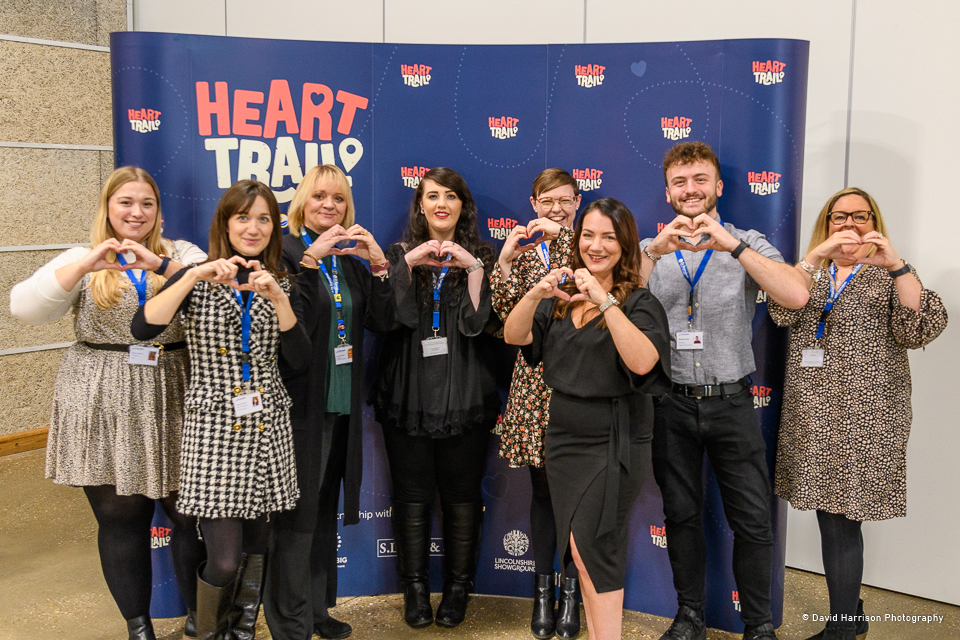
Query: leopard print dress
528, 405
843, 431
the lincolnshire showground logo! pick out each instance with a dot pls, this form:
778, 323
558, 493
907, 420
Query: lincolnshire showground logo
144, 120
415, 75
763, 183
676, 128
411, 176
768, 72
503, 127
588, 179
500, 227
516, 543
588, 75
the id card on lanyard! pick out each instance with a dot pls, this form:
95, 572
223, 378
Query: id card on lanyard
143, 355
249, 401
343, 353
437, 345
691, 339
815, 357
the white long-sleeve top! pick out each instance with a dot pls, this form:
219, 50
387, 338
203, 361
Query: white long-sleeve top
40, 298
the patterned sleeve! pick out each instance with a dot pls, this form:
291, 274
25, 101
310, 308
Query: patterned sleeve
561, 250
506, 292
914, 329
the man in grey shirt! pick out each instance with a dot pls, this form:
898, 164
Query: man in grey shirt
708, 282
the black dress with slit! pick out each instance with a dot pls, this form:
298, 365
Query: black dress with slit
601, 424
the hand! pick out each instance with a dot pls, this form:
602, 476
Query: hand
99, 257
424, 254
456, 256
325, 244
263, 284
220, 271
719, 238
511, 246
590, 289
668, 240
842, 246
549, 286
546, 226
145, 259
366, 247
885, 256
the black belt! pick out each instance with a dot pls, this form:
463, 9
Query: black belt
173, 346
707, 391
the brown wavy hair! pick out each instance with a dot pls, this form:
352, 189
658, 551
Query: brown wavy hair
689, 153
234, 201
626, 273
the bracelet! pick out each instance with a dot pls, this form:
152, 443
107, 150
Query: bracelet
315, 267
609, 302
377, 268
740, 248
650, 255
902, 271
315, 258
163, 265
476, 265
806, 266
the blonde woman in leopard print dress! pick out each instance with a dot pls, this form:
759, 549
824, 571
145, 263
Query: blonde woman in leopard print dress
846, 409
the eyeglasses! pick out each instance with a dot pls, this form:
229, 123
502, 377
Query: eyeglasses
567, 204
859, 217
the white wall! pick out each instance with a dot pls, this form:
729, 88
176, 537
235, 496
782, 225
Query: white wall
904, 92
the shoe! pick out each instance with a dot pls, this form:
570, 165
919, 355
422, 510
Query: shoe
462, 524
411, 529
763, 631
141, 628
543, 623
687, 625
861, 627
214, 606
839, 633
333, 629
568, 611
249, 594
190, 624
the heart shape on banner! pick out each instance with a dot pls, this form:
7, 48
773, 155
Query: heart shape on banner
639, 68
496, 486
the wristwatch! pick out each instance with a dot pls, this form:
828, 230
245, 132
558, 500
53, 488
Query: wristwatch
476, 265
609, 302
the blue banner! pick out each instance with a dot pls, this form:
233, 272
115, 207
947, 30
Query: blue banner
200, 112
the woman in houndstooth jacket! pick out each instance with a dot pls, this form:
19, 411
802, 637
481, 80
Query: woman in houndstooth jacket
238, 465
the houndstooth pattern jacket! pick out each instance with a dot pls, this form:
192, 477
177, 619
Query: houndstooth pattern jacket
236, 467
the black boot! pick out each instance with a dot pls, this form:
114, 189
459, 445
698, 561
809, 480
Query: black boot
190, 624
141, 628
568, 613
839, 633
214, 606
688, 624
249, 593
861, 626
542, 624
411, 529
461, 543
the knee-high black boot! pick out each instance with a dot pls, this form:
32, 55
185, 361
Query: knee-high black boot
249, 594
411, 529
214, 608
461, 543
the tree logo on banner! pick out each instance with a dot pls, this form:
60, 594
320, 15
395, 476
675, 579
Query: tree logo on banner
516, 543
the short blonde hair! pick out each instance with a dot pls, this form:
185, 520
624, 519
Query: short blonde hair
821, 228
305, 189
107, 286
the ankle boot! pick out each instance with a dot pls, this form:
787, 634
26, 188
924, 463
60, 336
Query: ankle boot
190, 624
411, 530
542, 624
249, 594
568, 611
141, 628
861, 626
214, 606
462, 524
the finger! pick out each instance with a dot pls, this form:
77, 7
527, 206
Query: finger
237, 260
560, 293
579, 297
254, 266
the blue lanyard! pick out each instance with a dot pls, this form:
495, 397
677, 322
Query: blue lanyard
696, 278
245, 333
437, 285
834, 295
545, 253
140, 285
303, 239
334, 283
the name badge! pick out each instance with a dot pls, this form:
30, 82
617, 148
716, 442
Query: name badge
343, 354
689, 339
144, 355
434, 346
811, 358
247, 403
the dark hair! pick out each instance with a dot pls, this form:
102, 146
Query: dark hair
466, 234
626, 273
238, 199
688, 153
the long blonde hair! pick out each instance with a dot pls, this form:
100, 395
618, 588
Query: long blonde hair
821, 228
108, 285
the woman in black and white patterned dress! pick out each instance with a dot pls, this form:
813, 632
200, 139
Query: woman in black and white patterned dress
115, 427
238, 463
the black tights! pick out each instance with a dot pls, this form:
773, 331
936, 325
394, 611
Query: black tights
123, 538
226, 540
543, 527
841, 541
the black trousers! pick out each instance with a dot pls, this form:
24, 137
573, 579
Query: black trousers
302, 573
728, 430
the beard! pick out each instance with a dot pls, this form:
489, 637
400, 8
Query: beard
709, 204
